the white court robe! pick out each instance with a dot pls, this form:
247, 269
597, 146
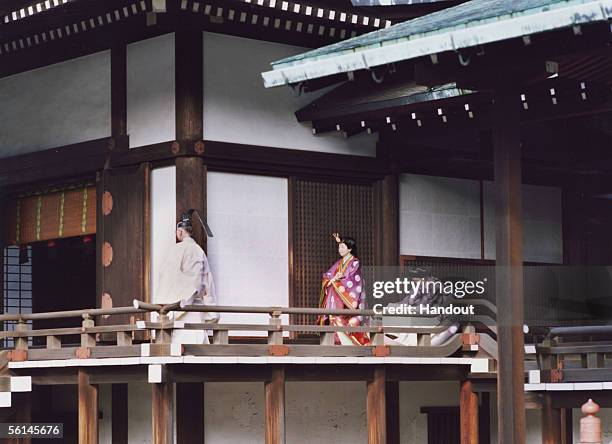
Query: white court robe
186, 276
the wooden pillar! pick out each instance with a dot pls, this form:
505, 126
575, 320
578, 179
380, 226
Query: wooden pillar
189, 78
575, 214
390, 220
22, 408
191, 192
377, 407
275, 406
119, 403
189, 107
119, 90
392, 398
551, 421
162, 412
567, 426
468, 412
190, 413
88, 410
509, 270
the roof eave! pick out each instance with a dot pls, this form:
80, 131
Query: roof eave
453, 40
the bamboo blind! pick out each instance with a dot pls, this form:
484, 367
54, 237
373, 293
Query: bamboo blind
48, 216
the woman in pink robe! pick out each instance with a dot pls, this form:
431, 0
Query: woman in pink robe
343, 287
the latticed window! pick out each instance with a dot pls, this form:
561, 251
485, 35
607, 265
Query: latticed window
17, 291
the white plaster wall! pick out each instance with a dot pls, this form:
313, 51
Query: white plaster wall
417, 394
139, 413
439, 216
237, 108
249, 253
150, 91
56, 105
330, 412
542, 219
163, 219
105, 425
234, 413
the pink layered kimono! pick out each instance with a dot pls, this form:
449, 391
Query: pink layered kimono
348, 292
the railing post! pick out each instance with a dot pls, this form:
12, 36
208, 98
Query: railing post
53, 342
163, 335
275, 337
590, 425
21, 343
220, 337
124, 338
328, 338
87, 339
378, 337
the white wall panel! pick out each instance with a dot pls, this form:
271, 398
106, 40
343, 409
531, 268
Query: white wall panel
234, 413
139, 414
150, 91
326, 412
316, 412
237, 108
105, 404
56, 105
439, 216
249, 253
163, 219
542, 219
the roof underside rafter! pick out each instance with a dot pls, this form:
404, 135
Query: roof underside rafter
36, 25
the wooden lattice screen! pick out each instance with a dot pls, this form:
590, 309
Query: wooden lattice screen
319, 209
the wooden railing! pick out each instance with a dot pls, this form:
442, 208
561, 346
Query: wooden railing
100, 341
576, 354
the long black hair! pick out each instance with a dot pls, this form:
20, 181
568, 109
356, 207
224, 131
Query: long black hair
351, 244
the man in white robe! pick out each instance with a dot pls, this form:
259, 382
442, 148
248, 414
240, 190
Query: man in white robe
186, 277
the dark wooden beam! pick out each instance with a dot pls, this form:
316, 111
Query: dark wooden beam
191, 192
190, 413
377, 406
119, 406
567, 426
162, 412
189, 106
574, 225
119, 90
392, 397
390, 220
62, 163
468, 412
81, 44
88, 410
189, 78
275, 406
255, 159
509, 270
551, 421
